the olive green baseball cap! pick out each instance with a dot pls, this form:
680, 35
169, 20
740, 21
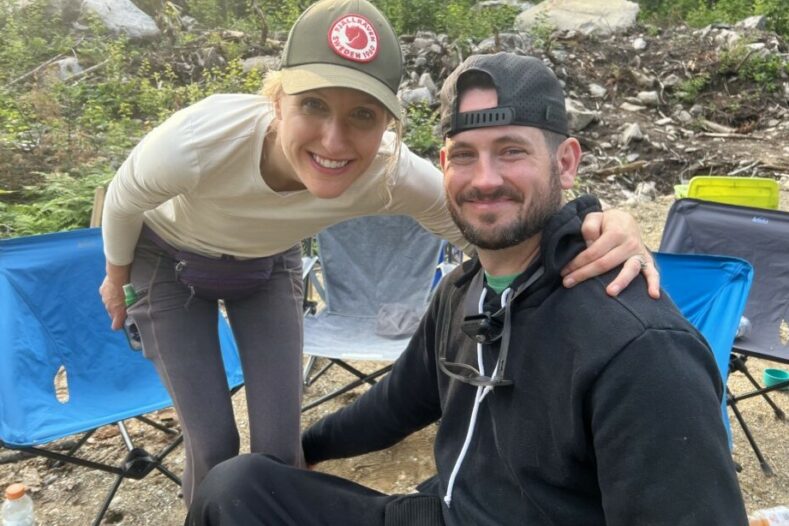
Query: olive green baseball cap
344, 44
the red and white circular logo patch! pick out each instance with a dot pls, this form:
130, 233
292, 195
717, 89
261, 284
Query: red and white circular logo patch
353, 37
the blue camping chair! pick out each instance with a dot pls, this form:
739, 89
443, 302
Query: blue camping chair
711, 292
377, 274
52, 320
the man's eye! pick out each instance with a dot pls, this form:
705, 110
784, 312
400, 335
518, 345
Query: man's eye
510, 152
461, 156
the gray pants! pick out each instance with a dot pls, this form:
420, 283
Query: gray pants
179, 334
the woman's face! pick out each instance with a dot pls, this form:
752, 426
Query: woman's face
330, 137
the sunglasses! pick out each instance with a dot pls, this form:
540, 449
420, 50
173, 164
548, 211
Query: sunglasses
485, 328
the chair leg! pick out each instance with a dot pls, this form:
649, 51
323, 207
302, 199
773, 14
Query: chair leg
346, 388
737, 363
356, 372
73, 449
762, 461
108, 499
305, 377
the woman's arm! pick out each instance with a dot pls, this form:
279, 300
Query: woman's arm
613, 238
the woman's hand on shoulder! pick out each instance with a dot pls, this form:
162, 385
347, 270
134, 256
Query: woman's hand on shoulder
613, 238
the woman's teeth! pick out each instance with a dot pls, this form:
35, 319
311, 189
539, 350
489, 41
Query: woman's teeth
328, 163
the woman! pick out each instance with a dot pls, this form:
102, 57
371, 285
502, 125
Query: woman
214, 202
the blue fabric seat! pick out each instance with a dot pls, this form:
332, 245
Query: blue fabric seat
52, 319
711, 292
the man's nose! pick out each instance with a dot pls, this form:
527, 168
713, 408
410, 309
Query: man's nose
485, 174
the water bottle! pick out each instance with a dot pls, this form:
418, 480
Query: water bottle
129, 327
18, 507
743, 329
777, 516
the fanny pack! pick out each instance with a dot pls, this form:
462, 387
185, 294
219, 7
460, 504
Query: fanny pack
210, 278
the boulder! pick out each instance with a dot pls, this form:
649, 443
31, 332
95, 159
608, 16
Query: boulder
122, 16
585, 16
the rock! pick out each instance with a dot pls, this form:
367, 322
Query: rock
122, 16
416, 96
421, 43
752, 22
642, 79
639, 44
68, 67
559, 56
664, 121
597, 91
726, 38
696, 110
627, 106
645, 192
671, 81
585, 16
649, 98
488, 4
632, 133
578, 116
426, 81
260, 63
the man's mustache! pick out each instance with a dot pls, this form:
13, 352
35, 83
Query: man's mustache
475, 194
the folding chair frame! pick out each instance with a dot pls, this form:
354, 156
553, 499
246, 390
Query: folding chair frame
137, 464
739, 355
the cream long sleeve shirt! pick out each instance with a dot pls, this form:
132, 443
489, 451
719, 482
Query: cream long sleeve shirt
196, 181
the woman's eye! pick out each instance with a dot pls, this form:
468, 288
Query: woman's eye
313, 105
364, 114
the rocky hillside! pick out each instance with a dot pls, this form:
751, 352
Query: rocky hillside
653, 106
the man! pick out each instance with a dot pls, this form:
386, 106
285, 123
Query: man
557, 406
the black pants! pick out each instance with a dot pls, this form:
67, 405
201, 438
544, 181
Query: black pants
257, 489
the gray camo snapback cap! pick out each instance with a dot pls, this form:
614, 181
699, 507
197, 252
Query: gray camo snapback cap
529, 94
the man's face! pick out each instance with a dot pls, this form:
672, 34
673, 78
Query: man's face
501, 182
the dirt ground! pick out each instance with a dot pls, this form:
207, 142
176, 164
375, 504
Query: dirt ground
71, 496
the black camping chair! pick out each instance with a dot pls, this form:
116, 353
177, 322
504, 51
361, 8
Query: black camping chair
760, 236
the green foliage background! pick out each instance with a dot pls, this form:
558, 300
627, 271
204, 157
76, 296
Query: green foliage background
67, 137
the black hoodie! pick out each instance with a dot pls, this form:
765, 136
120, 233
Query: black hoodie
613, 416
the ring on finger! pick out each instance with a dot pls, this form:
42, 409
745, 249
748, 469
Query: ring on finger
642, 261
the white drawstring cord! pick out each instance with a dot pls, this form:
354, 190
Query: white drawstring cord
482, 392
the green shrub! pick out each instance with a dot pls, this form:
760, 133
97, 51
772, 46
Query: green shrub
420, 130
748, 64
62, 202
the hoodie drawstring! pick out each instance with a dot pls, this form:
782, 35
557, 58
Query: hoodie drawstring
482, 392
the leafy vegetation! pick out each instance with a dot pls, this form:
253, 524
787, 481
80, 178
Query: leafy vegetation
421, 134
699, 13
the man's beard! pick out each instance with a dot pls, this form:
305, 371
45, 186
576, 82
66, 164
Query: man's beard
530, 221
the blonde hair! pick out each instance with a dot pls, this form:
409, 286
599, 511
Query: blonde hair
272, 89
